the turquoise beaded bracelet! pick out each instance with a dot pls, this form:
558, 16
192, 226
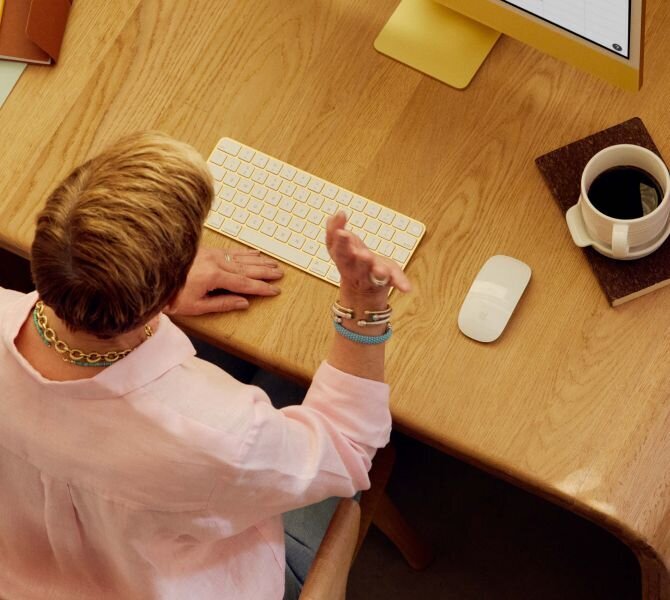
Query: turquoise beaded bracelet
363, 339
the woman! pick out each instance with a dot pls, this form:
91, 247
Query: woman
128, 467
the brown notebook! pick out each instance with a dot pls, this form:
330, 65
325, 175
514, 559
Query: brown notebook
32, 30
621, 280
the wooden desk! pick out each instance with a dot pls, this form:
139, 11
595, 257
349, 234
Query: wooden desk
572, 402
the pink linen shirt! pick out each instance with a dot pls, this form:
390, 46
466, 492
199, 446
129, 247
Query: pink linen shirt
163, 476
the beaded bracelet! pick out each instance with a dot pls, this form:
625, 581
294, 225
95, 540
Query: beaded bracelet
371, 317
368, 340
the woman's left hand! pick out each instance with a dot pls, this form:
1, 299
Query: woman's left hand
245, 272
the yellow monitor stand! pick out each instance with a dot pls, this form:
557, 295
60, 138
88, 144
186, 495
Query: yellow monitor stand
437, 41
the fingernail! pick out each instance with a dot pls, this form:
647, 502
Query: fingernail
241, 304
275, 289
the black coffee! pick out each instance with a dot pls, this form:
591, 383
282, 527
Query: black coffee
625, 192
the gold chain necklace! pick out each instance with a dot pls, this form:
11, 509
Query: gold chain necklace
72, 355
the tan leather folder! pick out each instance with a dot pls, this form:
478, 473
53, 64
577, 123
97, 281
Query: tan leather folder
32, 30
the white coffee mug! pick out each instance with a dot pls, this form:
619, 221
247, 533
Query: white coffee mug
621, 238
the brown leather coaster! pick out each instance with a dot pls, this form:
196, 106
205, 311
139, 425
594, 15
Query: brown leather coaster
621, 280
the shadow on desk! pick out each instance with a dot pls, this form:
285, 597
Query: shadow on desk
492, 540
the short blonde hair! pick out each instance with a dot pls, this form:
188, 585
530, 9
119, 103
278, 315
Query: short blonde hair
117, 237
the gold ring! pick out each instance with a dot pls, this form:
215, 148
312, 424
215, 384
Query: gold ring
378, 282
227, 257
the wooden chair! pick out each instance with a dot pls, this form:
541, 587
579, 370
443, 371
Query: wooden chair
327, 578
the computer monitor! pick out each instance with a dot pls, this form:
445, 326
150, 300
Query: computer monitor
450, 39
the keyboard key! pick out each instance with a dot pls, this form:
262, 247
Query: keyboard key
357, 220
400, 255
269, 212
318, 267
301, 178
315, 200
240, 215
358, 203
215, 204
311, 247
300, 210
415, 229
301, 194
296, 225
254, 221
386, 216
273, 198
229, 146
259, 176
232, 163
316, 185
372, 209
215, 220
241, 200
268, 228
311, 231
315, 216
227, 193
273, 182
371, 226
217, 157
231, 179
287, 188
400, 222
404, 240
386, 232
245, 185
274, 166
296, 240
283, 218
330, 191
216, 171
282, 234
245, 169
322, 253
217, 187
343, 197
260, 160
258, 191
246, 154
255, 206
329, 207
287, 204
231, 228
227, 209
272, 246
287, 172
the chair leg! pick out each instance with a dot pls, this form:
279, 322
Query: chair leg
377, 508
393, 525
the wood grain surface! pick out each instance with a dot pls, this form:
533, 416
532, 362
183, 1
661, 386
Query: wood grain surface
572, 401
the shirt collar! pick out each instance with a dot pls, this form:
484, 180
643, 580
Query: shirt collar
167, 348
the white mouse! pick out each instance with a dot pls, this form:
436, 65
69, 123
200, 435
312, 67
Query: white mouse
492, 298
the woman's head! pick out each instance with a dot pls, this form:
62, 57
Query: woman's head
117, 237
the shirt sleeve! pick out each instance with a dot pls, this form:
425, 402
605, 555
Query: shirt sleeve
303, 454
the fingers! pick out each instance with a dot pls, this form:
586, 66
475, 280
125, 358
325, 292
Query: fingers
241, 284
228, 303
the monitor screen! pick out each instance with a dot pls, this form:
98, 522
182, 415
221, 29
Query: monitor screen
603, 37
603, 22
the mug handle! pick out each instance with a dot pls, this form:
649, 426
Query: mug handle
620, 245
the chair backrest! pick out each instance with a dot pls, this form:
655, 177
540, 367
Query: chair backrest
327, 577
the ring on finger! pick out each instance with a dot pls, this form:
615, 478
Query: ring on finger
378, 282
227, 257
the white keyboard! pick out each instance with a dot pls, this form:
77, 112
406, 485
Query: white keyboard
274, 207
